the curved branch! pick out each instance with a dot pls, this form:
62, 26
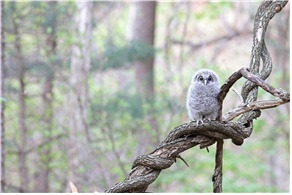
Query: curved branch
249, 92
146, 168
265, 13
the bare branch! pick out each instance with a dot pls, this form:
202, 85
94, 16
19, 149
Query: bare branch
194, 46
217, 176
257, 105
244, 72
73, 187
264, 85
45, 142
238, 94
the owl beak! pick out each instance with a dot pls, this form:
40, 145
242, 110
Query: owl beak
205, 81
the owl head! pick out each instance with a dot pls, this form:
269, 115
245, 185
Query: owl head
206, 77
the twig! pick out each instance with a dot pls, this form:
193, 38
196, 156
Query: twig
73, 187
45, 142
194, 46
238, 95
178, 156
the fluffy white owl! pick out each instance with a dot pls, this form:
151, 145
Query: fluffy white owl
202, 102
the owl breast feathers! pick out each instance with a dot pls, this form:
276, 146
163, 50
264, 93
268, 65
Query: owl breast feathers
202, 102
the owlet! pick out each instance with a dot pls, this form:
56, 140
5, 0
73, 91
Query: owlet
202, 102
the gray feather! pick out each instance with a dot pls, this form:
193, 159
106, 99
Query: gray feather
202, 102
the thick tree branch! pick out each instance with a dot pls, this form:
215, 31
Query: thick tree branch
146, 168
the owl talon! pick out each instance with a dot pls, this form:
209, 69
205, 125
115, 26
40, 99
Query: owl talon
200, 121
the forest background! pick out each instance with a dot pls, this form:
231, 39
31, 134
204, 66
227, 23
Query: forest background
89, 86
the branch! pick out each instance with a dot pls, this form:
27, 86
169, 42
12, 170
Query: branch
73, 187
284, 95
194, 46
146, 168
225, 89
249, 92
45, 142
217, 176
40, 144
244, 72
257, 105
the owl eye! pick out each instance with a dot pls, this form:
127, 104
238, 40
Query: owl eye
201, 78
210, 78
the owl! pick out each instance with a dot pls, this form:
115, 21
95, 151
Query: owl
202, 101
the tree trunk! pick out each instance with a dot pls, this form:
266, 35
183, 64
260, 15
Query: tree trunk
42, 179
79, 166
2, 189
22, 107
143, 26
142, 31
43, 183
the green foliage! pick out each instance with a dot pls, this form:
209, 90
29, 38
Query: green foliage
117, 57
249, 174
259, 124
213, 10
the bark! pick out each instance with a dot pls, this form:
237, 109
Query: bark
79, 97
22, 107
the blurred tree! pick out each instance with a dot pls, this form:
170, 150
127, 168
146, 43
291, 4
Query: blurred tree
142, 34
49, 27
23, 170
143, 27
2, 189
78, 151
